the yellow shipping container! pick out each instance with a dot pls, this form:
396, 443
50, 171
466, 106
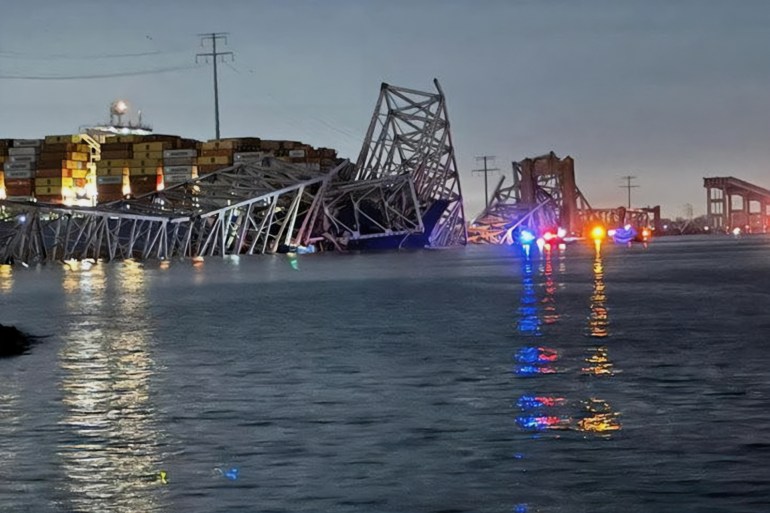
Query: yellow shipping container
148, 155
50, 191
80, 173
79, 156
54, 182
219, 145
58, 139
145, 162
143, 171
214, 160
111, 171
113, 163
152, 146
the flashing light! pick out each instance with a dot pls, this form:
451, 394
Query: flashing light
646, 233
531, 402
736, 231
611, 232
526, 237
561, 233
548, 236
536, 354
705, 228
533, 370
533, 423
598, 233
2, 193
21, 218
540, 243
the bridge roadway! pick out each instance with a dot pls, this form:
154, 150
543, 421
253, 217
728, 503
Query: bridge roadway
732, 202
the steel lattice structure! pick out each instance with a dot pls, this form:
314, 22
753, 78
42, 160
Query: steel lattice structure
543, 194
244, 209
409, 135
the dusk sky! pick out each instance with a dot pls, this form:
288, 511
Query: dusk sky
668, 91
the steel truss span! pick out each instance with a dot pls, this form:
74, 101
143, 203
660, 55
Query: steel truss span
409, 136
243, 209
545, 195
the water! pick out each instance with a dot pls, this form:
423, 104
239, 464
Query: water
394, 383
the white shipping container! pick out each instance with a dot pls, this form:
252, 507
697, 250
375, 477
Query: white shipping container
17, 159
18, 174
19, 198
181, 170
18, 166
23, 143
109, 180
297, 154
310, 166
179, 161
249, 156
172, 154
176, 178
29, 150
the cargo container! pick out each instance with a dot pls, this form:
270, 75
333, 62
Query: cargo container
152, 146
218, 144
27, 143
18, 174
54, 182
169, 154
25, 150
17, 159
57, 139
109, 180
221, 161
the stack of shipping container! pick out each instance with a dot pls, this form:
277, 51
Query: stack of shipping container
63, 170
112, 169
19, 168
60, 168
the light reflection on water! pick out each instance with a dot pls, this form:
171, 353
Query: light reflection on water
538, 411
110, 453
10, 421
6, 278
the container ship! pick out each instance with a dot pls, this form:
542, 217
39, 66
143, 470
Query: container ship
112, 161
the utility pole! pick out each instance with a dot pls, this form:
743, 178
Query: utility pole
486, 171
629, 187
214, 37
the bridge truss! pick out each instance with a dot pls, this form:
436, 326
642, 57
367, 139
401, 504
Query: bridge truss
409, 136
544, 195
248, 208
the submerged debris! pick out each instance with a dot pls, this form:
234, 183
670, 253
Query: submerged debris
12, 341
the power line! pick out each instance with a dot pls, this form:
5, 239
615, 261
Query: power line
486, 171
62, 56
628, 186
214, 37
100, 75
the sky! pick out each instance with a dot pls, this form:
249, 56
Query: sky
667, 91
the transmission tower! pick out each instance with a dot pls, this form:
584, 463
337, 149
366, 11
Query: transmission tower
629, 187
214, 37
486, 172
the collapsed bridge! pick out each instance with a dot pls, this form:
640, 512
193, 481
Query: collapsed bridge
404, 190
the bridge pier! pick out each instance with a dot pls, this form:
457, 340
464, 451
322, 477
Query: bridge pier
722, 196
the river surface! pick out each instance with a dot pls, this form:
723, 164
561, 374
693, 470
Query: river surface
634, 380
